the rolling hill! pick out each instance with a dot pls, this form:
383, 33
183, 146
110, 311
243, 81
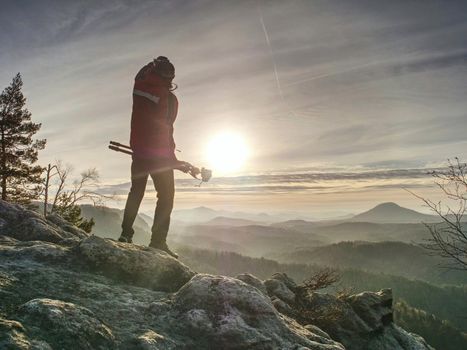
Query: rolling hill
297, 225
252, 240
226, 221
372, 232
108, 221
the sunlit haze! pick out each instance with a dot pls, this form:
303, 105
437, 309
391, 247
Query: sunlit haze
311, 106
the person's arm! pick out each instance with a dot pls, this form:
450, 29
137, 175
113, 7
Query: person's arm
173, 110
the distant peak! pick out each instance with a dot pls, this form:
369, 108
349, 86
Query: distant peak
388, 205
390, 212
203, 208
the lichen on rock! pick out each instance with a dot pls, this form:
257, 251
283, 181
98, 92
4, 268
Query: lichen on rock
227, 313
13, 336
65, 324
143, 266
28, 225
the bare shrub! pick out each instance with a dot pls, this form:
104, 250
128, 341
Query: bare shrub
320, 280
307, 311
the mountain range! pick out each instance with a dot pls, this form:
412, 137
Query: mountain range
258, 238
388, 212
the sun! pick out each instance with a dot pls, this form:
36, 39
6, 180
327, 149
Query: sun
226, 152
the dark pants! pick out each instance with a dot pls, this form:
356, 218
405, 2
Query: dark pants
163, 177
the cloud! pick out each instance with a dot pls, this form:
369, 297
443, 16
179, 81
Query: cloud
382, 70
317, 182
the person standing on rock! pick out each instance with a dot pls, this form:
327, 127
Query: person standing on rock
151, 140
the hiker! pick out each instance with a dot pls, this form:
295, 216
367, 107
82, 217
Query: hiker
151, 140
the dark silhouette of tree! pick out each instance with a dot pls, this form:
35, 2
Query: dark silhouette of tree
19, 177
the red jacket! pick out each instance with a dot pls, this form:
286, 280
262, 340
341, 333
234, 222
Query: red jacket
154, 112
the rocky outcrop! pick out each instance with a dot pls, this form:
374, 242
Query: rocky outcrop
62, 289
33, 250
142, 266
65, 325
253, 281
361, 321
28, 225
281, 287
233, 315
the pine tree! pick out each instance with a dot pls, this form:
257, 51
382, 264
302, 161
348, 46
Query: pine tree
19, 177
72, 214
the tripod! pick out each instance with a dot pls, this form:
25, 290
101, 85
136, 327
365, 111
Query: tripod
185, 167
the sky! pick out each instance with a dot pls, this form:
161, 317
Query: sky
342, 104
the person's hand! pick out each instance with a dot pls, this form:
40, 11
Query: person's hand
194, 171
183, 166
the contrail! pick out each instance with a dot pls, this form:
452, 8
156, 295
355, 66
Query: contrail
268, 42
327, 75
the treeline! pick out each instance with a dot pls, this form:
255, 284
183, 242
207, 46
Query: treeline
439, 333
232, 264
396, 258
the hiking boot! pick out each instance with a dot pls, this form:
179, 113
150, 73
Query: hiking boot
164, 247
125, 239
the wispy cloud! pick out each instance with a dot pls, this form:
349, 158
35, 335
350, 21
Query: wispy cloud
380, 70
318, 182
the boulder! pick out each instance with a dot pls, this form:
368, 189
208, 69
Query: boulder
283, 307
375, 309
253, 281
65, 325
362, 321
33, 250
139, 265
335, 317
13, 336
282, 287
218, 312
28, 225
71, 230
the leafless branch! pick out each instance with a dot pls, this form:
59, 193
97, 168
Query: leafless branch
448, 239
320, 280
